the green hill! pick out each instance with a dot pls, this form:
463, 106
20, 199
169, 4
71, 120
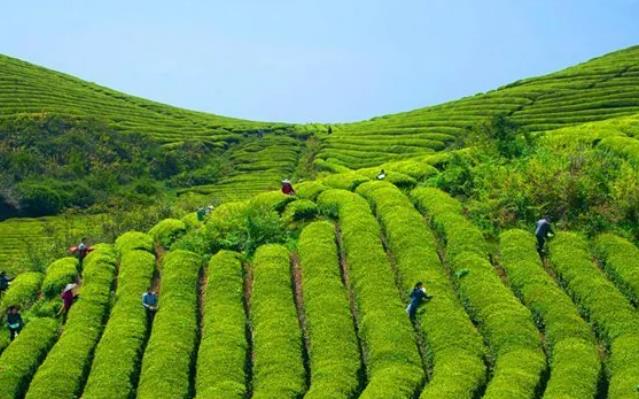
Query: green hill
305, 295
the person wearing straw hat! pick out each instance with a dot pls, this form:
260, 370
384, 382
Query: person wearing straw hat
287, 187
68, 297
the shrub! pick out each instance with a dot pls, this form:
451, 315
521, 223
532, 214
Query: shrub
39, 199
134, 240
568, 337
393, 364
116, 360
345, 181
416, 169
613, 317
59, 273
21, 360
309, 189
22, 292
63, 371
273, 200
223, 352
333, 346
278, 370
506, 325
397, 178
458, 370
300, 210
620, 259
167, 231
167, 360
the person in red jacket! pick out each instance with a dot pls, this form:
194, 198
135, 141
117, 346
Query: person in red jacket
287, 187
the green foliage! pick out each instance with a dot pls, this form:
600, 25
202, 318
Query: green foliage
21, 360
309, 189
38, 199
615, 320
333, 347
393, 364
63, 371
223, 352
397, 178
167, 360
134, 240
278, 370
60, 273
567, 336
245, 226
458, 371
506, 325
345, 181
167, 231
116, 361
301, 209
502, 134
22, 292
620, 259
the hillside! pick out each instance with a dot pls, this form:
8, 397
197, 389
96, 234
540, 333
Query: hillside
276, 296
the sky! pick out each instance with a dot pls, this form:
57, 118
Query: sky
308, 60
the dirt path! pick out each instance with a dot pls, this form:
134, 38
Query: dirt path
250, 355
296, 283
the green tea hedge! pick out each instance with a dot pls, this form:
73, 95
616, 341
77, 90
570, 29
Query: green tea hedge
22, 292
300, 210
63, 372
58, 275
118, 354
223, 352
620, 259
568, 337
393, 364
167, 362
613, 317
505, 323
278, 369
20, 361
167, 231
134, 240
456, 348
333, 347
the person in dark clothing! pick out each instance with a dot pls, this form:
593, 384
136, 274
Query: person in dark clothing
68, 297
330, 130
417, 296
150, 303
4, 282
543, 230
14, 322
287, 187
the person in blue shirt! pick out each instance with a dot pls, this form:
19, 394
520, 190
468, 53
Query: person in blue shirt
543, 230
150, 303
417, 296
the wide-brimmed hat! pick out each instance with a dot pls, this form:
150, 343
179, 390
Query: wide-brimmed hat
69, 287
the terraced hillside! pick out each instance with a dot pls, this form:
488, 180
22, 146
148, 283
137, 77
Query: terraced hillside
323, 316
276, 296
605, 87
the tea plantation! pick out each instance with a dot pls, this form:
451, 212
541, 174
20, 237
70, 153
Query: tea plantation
276, 296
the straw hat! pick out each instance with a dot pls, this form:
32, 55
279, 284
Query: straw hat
69, 286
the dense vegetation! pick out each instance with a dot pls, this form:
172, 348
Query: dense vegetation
276, 296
